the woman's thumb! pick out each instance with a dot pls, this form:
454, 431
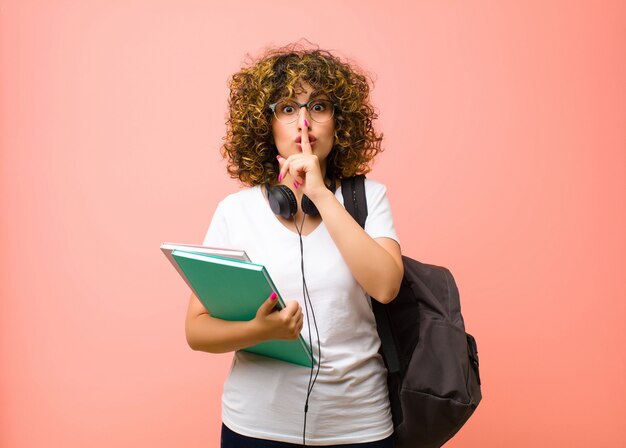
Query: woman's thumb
269, 304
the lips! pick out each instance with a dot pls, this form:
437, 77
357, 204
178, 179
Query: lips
311, 139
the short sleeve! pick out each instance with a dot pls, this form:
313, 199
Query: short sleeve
379, 222
217, 235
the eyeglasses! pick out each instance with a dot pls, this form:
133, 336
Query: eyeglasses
288, 111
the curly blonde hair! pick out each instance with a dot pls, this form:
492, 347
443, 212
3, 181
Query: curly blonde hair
249, 145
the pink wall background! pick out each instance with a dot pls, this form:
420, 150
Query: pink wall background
505, 129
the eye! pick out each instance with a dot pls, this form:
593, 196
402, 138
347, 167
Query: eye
318, 106
287, 108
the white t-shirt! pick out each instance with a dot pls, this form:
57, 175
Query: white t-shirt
264, 398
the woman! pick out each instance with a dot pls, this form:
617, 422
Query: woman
302, 119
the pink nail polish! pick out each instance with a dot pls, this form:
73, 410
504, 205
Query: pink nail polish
295, 184
306, 123
280, 177
273, 296
278, 157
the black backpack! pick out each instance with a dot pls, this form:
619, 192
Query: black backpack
432, 363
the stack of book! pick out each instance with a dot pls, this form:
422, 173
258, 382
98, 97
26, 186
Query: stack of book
231, 287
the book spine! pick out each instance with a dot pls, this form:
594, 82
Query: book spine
282, 304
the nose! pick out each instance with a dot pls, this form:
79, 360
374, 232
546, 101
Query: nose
304, 116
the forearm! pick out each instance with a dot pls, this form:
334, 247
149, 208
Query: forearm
209, 334
376, 270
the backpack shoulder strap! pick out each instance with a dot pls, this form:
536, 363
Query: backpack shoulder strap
354, 199
355, 202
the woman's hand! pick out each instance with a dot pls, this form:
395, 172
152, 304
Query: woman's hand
209, 334
284, 324
304, 168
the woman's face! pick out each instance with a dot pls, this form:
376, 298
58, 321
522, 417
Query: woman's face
321, 135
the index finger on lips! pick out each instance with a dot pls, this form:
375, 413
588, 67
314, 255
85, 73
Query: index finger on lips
306, 145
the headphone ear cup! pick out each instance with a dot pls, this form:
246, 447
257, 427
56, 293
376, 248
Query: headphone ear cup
308, 207
282, 201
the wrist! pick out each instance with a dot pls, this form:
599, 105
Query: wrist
256, 331
321, 195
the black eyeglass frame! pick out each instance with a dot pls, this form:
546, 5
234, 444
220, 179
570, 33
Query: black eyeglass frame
300, 106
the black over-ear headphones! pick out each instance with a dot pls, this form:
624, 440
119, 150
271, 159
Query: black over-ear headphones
283, 202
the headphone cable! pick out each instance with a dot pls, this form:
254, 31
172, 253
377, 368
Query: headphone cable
308, 304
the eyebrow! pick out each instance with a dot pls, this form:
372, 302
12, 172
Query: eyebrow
314, 94
317, 93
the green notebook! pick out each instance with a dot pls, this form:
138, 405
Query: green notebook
233, 290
